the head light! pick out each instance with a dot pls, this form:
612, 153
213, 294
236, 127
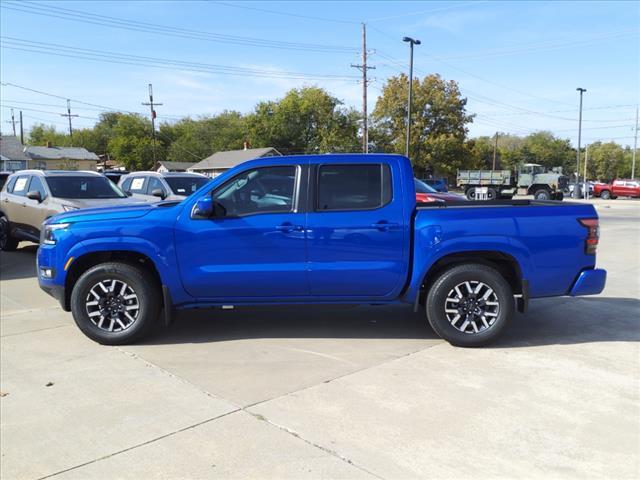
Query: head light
48, 235
68, 208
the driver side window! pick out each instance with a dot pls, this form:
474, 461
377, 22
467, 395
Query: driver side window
261, 190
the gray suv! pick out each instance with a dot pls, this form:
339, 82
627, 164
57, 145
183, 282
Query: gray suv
154, 186
31, 196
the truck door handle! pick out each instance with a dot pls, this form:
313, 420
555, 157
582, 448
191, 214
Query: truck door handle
289, 227
385, 226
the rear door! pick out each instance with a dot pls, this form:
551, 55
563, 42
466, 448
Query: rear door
356, 229
15, 199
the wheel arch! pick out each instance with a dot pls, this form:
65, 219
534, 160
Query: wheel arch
505, 263
539, 186
91, 259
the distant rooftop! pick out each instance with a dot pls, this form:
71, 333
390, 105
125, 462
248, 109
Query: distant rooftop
11, 148
231, 158
60, 153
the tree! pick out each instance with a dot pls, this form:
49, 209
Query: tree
131, 144
305, 120
607, 161
438, 128
42, 135
547, 150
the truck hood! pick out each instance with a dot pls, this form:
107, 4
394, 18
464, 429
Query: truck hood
111, 213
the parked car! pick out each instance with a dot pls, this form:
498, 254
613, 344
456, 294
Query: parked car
617, 188
439, 184
426, 193
31, 196
154, 186
3, 178
114, 175
334, 229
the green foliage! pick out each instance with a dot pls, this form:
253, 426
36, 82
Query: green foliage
438, 122
608, 161
306, 120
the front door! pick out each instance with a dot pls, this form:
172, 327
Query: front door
257, 249
356, 231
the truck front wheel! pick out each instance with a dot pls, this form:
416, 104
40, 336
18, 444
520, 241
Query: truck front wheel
115, 303
470, 305
605, 194
7, 242
542, 194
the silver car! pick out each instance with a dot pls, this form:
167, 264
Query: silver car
154, 186
31, 196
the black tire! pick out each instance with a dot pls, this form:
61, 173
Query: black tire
7, 242
146, 289
605, 194
450, 329
558, 196
492, 194
470, 194
542, 194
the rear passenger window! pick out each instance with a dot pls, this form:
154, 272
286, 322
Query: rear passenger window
21, 185
353, 187
137, 185
11, 183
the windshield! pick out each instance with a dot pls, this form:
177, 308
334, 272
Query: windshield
83, 187
422, 187
185, 185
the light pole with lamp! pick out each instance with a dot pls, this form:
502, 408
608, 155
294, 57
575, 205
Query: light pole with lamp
411, 42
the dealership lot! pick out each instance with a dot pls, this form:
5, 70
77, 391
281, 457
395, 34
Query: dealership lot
328, 392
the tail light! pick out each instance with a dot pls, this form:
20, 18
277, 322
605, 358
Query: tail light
593, 235
424, 198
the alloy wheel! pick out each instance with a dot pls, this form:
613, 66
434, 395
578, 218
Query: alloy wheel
112, 305
472, 307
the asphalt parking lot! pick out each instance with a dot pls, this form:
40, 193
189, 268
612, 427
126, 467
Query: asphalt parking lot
328, 392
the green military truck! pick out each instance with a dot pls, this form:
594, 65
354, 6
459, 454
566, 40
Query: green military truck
531, 179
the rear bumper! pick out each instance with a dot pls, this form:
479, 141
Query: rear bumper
589, 282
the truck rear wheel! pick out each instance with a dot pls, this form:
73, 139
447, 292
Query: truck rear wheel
115, 303
470, 305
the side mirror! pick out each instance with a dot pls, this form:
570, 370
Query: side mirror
34, 195
128, 194
206, 207
158, 192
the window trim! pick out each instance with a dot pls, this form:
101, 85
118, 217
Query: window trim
295, 204
316, 189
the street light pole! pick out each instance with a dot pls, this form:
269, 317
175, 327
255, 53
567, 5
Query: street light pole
411, 42
576, 189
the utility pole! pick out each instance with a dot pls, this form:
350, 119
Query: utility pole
576, 189
635, 148
21, 130
12, 122
151, 104
411, 42
68, 115
363, 68
495, 148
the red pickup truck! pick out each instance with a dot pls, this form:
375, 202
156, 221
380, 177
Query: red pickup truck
618, 188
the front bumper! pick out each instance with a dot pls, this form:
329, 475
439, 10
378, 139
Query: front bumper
57, 292
589, 282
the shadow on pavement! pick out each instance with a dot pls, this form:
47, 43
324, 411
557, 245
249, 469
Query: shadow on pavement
548, 322
18, 264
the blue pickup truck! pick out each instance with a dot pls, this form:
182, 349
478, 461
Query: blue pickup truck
331, 229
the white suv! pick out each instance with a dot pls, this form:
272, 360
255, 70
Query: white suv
154, 186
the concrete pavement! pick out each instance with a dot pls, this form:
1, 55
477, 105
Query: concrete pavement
328, 392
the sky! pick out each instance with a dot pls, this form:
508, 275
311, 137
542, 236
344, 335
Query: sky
517, 63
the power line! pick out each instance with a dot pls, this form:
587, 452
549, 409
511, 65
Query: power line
433, 10
68, 115
151, 106
166, 30
289, 14
156, 62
